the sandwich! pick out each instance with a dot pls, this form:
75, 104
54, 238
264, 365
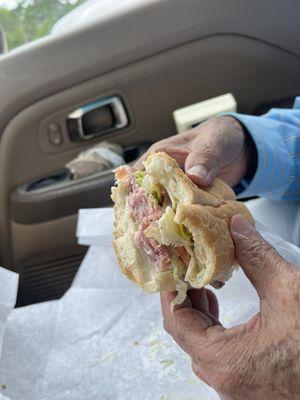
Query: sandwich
169, 233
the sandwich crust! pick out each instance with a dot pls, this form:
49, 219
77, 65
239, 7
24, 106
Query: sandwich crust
213, 246
166, 171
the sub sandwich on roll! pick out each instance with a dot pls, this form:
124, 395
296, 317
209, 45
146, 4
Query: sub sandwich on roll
169, 233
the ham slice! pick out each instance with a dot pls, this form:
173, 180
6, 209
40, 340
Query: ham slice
146, 212
184, 255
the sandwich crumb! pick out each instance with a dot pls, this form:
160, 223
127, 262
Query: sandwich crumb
2, 386
136, 343
193, 381
167, 363
154, 343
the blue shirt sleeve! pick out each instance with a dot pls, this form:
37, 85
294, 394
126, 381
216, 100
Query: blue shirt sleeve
277, 139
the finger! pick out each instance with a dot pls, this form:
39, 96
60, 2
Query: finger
259, 260
199, 300
178, 153
202, 165
219, 143
186, 325
205, 301
186, 303
213, 304
166, 299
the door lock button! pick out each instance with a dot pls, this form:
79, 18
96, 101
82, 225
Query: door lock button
55, 134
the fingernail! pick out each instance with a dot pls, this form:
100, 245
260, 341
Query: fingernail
198, 170
240, 225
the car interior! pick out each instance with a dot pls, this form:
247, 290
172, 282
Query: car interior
120, 78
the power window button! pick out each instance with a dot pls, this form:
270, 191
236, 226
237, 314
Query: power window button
55, 134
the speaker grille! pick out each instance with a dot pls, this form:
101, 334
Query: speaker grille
48, 280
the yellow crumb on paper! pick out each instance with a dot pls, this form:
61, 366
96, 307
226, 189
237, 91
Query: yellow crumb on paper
155, 346
154, 343
192, 381
108, 356
136, 343
167, 363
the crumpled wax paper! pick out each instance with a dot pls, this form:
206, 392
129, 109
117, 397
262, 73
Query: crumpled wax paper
8, 295
104, 339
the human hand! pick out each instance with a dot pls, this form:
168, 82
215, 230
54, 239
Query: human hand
258, 359
217, 147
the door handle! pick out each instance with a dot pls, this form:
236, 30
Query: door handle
97, 118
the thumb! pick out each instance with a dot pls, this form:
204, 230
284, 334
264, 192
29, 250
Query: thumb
202, 165
259, 260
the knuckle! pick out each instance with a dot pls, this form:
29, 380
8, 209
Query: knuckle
209, 149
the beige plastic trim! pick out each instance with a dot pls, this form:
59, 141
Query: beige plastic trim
62, 199
39, 238
187, 117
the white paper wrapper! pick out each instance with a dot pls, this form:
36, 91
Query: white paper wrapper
88, 230
8, 294
105, 340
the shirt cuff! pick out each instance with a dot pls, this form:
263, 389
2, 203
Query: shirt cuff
273, 160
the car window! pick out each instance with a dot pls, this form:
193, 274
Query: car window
26, 20
93, 10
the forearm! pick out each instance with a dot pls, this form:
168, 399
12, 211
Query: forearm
277, 141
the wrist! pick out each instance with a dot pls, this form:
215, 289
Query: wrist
250, 150
251, 155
